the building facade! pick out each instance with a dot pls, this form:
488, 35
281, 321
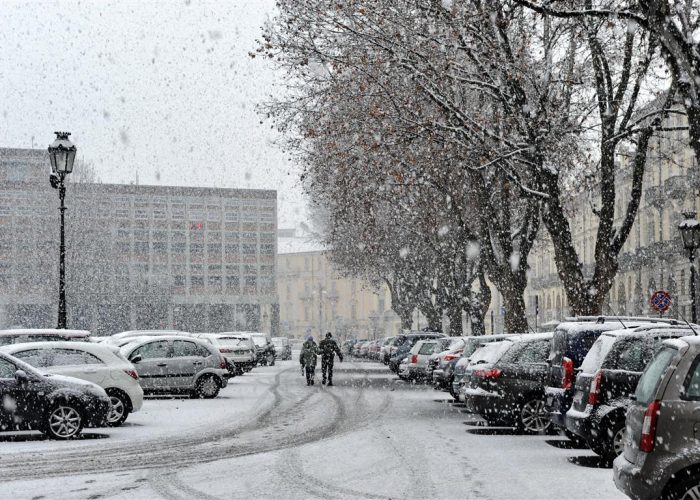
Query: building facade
137, 257
314, 297
652, 258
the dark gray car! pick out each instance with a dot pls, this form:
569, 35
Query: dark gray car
661, 456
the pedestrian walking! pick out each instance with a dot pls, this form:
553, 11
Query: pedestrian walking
308, 358
329, 348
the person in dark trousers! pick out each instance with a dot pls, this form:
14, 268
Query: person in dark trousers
329, 348
308, 358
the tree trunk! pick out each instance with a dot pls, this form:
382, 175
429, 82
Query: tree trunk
406, 320
455, 315
433, 316
514, 303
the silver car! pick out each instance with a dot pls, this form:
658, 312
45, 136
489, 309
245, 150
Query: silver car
178, 364
661, 456
240, 352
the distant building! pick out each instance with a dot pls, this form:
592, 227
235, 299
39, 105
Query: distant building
315, 298
196, 259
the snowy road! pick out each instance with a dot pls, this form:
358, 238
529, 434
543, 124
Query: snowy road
269, 435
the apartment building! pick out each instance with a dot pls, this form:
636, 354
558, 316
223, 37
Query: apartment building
196, 259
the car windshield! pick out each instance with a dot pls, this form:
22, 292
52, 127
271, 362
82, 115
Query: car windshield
259, 340
652, 376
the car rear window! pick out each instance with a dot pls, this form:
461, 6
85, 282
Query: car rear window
595, 357
427, 348
232, 342
652, 376
490, 353
629, 354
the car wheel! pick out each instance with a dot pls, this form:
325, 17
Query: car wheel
533, 417
64, 421
684, 487
207, 387
611, 442
121, 406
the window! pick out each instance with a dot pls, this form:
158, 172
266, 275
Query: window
197, 281
36, 357
179, 280
248, 249
68, 357
233, 282
152, 350
267, 249
651, 378
182, 348
196, 249
691, 388
141, 247
251, 281
214, 250
161, 248
7, 369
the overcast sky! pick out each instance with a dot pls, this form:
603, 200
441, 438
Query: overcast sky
163, 88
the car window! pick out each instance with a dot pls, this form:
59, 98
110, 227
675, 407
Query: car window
38, 358
183, 348
69, 357
558, 350
158, 349
6, 340
691, 388
596, 355
7, 369
652, 376
427, 348
533, 352
42, 338
629, 354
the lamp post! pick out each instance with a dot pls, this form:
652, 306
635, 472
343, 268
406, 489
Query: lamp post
62, 155
690, 233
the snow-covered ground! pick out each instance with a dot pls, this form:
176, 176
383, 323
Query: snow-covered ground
269, 435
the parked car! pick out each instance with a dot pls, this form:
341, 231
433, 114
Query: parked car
510, 391
57, 406
471, 347
661, 458
22, 335
405, 342
264, 348
283, 347
571, 342
417, 360
374, 349
385, 350
609, 374
450, 348
178, 364
239, 352
100, 364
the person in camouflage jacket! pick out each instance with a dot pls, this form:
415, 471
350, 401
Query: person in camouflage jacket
329, 348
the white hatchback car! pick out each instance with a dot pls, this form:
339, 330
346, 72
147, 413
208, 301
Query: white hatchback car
100, 364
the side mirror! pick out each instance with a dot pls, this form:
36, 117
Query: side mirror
21, 377
136, 358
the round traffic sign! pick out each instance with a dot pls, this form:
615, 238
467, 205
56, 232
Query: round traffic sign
660, 301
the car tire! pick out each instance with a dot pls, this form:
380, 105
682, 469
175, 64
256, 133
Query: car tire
612, 445
207, 387
532, 417
63, 421
685, 485
121, 407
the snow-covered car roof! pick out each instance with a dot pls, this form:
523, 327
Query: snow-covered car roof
90, 347
145, 340
645, 330
149, 333
529, 337
45, 331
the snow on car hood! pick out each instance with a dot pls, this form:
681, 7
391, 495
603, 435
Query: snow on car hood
94, 388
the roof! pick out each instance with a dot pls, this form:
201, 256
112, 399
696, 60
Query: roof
139, 342
650, 330
530, 337
91, 347
151, 333
299, 245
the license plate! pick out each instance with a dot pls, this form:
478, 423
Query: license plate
578, 397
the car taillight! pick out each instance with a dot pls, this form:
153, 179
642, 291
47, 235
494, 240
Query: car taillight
651, 415
414, 359
567, 379
492, 373
132, 374
225, 349
222, 363
595, 388
452, 356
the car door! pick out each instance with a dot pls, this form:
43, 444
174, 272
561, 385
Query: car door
77, 363
20, 402
153, 364
187, 360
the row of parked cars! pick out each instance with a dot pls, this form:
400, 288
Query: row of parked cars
59, 381
629, 388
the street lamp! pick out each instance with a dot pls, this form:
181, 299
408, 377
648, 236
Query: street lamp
690, 232
62, 156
